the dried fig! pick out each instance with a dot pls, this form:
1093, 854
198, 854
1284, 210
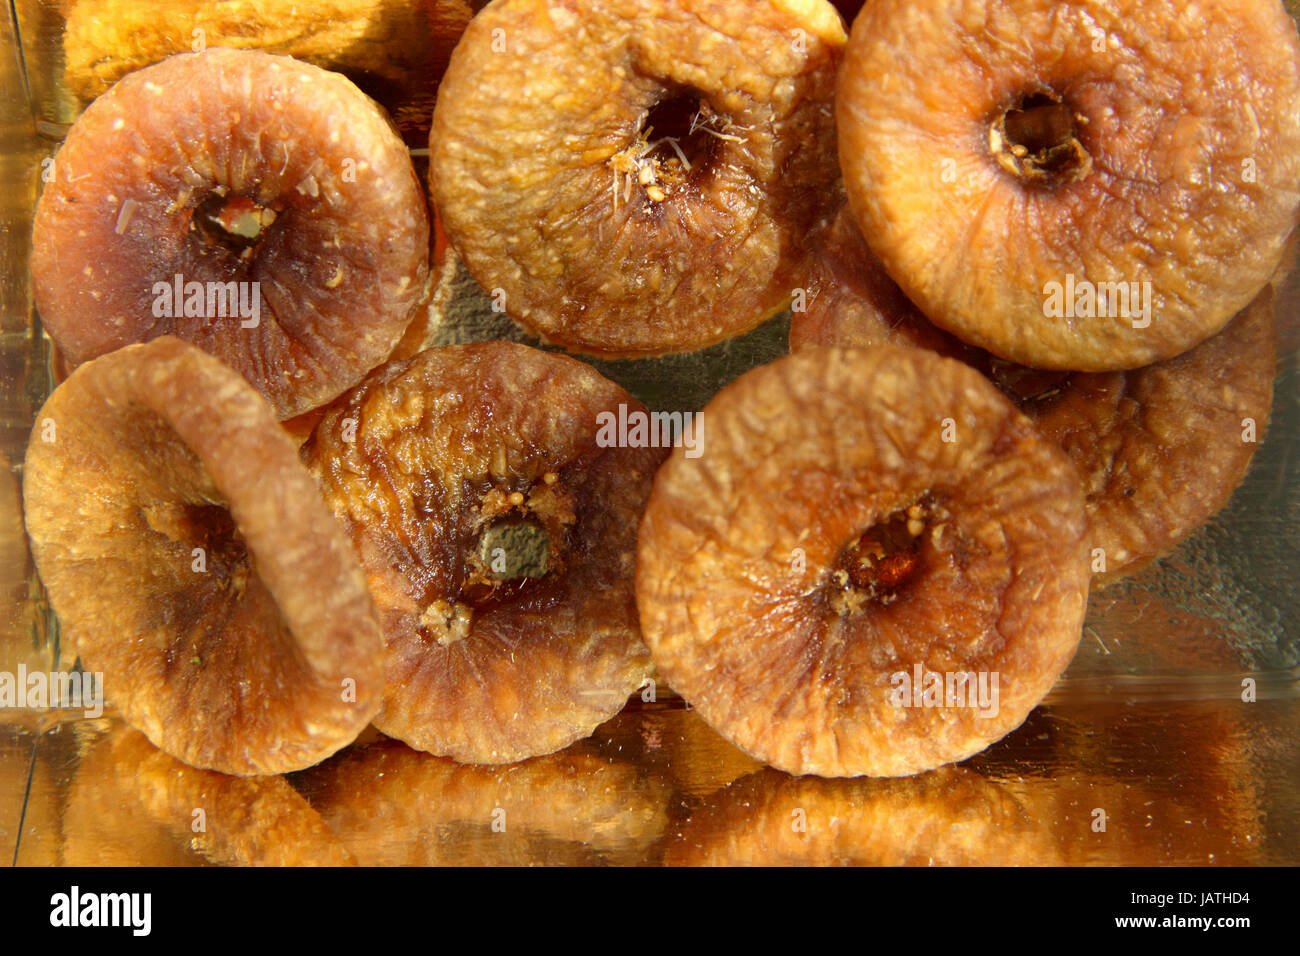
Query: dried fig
949, 817
394, 50
395, 806
862, 523
852, 302
259, 207
190, 559
1160, 449
499, 540
130, 804
1071, 185
637, 177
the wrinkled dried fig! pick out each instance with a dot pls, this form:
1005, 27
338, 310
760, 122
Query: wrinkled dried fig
499, 540
1072, 185
851, 301
259, 207
1160, 449
637, 177
394, 50
191, 561
862, 523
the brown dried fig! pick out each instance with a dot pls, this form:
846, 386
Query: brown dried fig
259, 207
851, 302
394, 50
499, 538
637, 177
1072, 185
861, 524
1160, 449
191, 561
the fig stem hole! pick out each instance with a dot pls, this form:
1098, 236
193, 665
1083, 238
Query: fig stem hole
1037, 140
876, 566
235, 222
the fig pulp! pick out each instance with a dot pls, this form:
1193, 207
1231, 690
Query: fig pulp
190, 559
1070, 185
259, 207
862, 523
637, 177
499, 538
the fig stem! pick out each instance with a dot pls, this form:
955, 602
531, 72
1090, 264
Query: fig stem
513, 550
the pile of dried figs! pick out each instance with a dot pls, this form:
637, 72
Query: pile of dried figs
1029, 247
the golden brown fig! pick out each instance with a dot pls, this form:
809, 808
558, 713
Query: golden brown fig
499, 538
638, 177
860, 524
191, 561
1160, 449
949, 817
395, 806
259, 207
395, 50
131, 804
1014, 161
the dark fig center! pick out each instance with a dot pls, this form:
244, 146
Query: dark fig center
680, 126
224, 554
1037, 140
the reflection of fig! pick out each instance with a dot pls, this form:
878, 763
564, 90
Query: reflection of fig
260, 207
395, 50
859, 516
638, 176
190, 559
1160, 449
499, 540
1029, 142
949, 817
675, 743
393, 805
131, 804
1179, 782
